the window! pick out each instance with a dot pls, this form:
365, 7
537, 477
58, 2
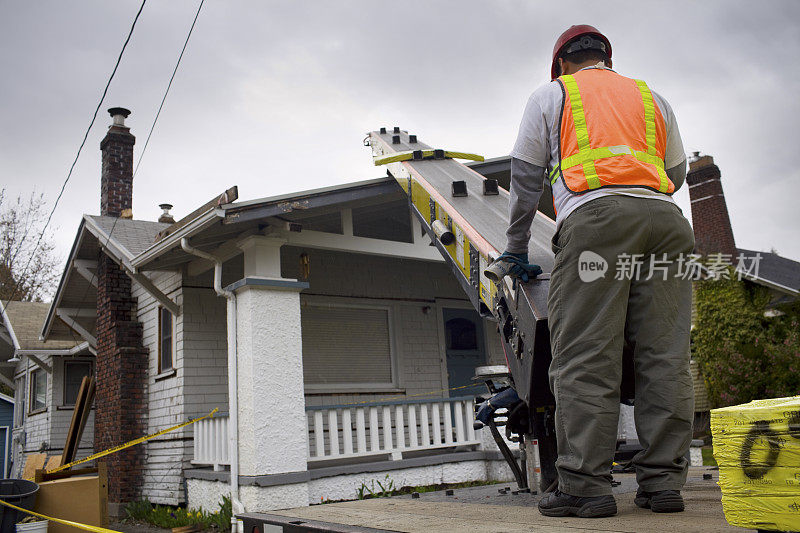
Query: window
461, 334
346, 347
166, 340
38, 392
74, 372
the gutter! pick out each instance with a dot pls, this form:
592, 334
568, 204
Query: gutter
64, 351
7, 323
233, 379
164, 245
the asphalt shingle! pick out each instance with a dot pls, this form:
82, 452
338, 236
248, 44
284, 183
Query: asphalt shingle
134, 235
26, 320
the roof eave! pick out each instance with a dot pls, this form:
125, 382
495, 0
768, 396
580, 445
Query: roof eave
107, 241
76, 244
7, 324
771, 284
164, 245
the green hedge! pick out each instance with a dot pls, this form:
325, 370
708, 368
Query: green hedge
743, 354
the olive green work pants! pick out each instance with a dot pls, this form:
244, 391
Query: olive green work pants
591, 320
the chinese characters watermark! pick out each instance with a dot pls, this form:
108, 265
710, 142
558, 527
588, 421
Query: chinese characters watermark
694, 267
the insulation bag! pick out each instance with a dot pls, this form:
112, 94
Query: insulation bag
757, 448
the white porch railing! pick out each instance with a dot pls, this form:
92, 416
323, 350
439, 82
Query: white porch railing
389, 428
211, 442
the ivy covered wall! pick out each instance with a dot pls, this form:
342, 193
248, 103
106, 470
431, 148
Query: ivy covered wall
744, 354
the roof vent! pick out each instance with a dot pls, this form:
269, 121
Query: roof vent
119, 114
166, 216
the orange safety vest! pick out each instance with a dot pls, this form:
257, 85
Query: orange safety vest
611, 134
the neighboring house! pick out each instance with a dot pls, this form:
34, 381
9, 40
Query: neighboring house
45, 377
354, 345
6, 424
714, 235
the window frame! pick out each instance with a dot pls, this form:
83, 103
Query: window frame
66, 363
394, 352
31, 395
160, 340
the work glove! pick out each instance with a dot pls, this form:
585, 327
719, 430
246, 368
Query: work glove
514, 265
502, 399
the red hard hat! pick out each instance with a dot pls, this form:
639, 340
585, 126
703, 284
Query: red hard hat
569, 35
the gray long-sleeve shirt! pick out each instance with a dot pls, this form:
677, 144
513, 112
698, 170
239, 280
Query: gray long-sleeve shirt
537, 148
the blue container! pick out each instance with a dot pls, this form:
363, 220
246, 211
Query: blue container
21, 493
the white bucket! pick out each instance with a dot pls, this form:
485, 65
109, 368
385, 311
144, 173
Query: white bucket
33, 527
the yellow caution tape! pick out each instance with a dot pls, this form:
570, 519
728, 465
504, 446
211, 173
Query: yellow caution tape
130, 443
86, 527
426, 154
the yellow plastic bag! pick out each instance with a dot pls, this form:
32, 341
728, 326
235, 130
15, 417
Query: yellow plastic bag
757, 447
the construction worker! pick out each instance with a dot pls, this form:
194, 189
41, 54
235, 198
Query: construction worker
613, 154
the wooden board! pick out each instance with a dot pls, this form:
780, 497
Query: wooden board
227, 197
33, 462
53, 462
83, 406
81, 499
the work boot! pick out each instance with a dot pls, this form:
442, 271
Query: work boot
660, 501
561, 504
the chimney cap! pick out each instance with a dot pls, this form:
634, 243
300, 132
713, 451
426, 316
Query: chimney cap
165, 207
113, 111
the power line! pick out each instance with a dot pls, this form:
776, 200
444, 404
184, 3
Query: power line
152, 127
75, 161
169, 85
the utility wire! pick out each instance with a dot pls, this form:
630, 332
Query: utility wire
152, 127
174, 71
75, 161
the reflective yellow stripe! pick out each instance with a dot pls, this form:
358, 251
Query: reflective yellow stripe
595, 154
427, 153
581, 130
649, 116
650, 132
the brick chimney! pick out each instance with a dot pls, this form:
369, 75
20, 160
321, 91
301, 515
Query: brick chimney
710, 220
116, 183
121, 363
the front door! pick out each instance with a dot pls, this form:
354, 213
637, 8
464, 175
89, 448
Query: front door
464, 349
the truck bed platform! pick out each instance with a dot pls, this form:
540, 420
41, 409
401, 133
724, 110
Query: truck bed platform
483, 509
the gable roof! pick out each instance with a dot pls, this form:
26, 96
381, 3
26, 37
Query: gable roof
122, 239
25, 320
776, 272
128, 237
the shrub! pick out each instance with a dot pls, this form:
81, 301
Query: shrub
168, 517
743, 354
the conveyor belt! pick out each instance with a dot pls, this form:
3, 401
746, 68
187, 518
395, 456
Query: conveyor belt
488, 215
478, 223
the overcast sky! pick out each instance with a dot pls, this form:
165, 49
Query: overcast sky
276, 97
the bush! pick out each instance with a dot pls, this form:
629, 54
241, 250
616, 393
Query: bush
168, 517
743, 354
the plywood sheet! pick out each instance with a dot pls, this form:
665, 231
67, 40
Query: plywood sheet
33, 462
53, 462
80, 499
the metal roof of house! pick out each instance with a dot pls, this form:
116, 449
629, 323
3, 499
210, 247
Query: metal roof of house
777, 272
136, 245
218, 224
